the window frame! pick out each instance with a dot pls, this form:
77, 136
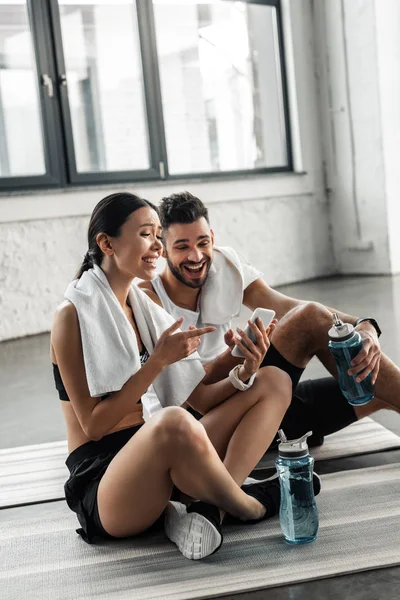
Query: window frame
43, 59
59, 155
151, 109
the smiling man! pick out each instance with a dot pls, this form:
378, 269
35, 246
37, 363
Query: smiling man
208, 285
190, 255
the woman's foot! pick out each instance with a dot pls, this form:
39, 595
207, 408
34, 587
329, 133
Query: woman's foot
268, 493
195, 530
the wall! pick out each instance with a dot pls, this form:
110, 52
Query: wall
279, 222
358, 50
387, 19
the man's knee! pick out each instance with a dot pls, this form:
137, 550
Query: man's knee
306, 319
313, 313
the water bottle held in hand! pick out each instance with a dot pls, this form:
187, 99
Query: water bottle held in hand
345, 343
298, 512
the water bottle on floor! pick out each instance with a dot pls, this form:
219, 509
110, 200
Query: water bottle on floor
298, 512
345, 343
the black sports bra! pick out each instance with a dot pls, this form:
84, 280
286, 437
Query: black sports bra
62, 392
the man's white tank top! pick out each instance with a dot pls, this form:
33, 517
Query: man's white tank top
212, 344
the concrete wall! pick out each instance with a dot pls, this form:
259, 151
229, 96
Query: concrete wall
280, 222
358, 53
387, 20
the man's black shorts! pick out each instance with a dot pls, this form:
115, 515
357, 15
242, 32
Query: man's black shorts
317, 405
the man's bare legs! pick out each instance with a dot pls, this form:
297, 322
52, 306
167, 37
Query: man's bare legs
303, 333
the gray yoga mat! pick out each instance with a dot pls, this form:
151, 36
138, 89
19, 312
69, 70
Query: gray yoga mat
43, 559
37, 473
361, 437
32, 473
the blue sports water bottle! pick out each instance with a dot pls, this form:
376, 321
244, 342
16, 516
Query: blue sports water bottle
345, 343
298, 512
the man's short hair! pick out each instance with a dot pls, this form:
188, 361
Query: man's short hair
181, 208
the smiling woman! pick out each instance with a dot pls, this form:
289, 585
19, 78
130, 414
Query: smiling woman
108, 217
110, 342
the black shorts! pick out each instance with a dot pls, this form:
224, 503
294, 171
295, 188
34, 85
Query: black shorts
317, 405
87, 465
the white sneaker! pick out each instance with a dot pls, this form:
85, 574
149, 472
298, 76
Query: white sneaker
196, 530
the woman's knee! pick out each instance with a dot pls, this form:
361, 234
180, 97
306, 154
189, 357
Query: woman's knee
178, 429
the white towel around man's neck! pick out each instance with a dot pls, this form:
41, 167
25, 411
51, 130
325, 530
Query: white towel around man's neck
110, 349
222, 295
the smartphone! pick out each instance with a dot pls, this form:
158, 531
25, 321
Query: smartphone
266, 315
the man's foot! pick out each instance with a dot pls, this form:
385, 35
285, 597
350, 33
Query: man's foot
196, 531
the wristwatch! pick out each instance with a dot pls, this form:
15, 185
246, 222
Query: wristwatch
237, 382
373, 322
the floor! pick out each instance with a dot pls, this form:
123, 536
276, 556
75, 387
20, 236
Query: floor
30, 412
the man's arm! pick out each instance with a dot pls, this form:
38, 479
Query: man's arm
206, 397
219, 368
259, 294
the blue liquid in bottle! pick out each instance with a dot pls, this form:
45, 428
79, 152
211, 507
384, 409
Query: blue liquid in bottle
298, 512
345, 343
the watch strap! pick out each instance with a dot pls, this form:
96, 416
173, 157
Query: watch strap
373, 322
237, 382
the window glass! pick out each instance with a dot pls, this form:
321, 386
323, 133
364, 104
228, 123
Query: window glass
105, 84
221, 85
21, 136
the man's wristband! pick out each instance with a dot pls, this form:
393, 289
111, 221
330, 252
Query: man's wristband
237, 382
373, 323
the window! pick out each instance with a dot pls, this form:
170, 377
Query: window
221, 86
121, 90
105, 85
21, 127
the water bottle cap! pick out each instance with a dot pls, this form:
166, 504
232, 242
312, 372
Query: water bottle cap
340, 331
293, 448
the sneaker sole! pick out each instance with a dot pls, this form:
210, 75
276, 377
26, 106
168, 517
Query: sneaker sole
194, 535
251, 480
316, 481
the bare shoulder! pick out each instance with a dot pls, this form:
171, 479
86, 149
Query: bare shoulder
65, 324
148, 289
65, 314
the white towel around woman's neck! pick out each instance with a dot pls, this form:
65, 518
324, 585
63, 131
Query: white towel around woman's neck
110, 349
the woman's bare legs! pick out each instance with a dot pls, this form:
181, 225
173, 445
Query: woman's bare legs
242, 428
172, 448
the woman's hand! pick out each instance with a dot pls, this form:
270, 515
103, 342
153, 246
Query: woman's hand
254, 352
171, 346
